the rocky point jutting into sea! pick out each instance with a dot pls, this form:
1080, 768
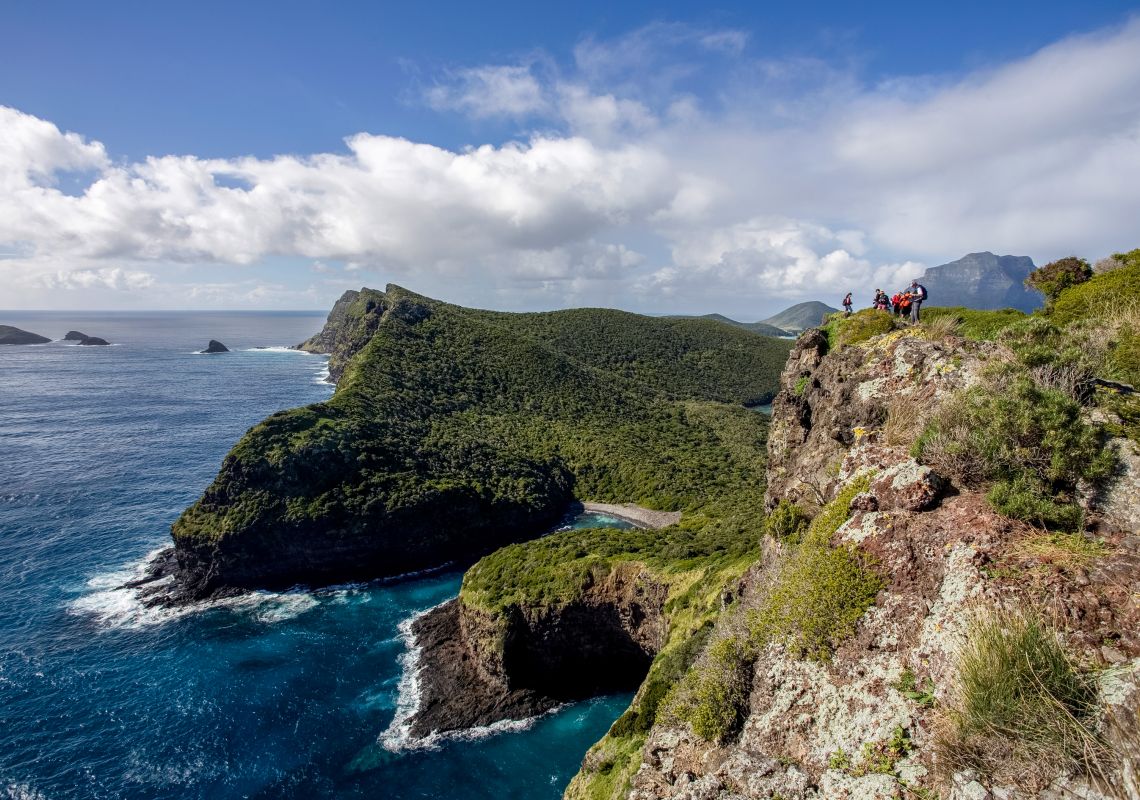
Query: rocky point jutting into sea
923, 579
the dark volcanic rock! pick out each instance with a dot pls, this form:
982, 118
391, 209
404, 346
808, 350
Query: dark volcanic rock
74, 336
216, 347
454, 693
478, 669
982, 280
93, 340
10, 335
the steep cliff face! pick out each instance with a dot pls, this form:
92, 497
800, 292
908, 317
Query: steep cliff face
865, 721
483, 667
354, 318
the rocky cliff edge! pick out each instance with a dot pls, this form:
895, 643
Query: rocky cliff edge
867, 718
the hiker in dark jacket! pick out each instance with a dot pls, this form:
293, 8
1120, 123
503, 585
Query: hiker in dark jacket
847, 304
917, 298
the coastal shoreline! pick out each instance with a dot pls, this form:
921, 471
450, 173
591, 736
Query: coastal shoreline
636, 515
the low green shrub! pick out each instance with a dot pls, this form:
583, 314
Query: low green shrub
787, 522
1028, 499
816, 600
713, 695
834, 514
1031, 443
1099, 298
1056, 276
1021, 709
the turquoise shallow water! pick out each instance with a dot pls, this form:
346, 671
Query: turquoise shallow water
275, 695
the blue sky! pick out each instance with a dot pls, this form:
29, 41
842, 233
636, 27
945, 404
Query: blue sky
660, 157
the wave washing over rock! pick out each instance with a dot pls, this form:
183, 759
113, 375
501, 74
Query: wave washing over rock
399, 735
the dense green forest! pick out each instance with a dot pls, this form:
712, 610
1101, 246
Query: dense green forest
454, 431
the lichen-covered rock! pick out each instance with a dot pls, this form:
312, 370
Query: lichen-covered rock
1119, 508
861, 725
828, 405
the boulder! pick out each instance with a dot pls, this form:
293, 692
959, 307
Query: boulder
10, 335
93, 340
74, 336
216, 347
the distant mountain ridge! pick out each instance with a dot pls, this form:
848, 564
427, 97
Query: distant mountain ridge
801, 316
983, 281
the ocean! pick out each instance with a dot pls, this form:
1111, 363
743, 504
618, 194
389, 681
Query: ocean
294, 694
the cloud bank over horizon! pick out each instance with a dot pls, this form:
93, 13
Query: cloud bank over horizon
666, 170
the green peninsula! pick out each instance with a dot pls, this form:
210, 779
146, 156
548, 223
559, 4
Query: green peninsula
455, 431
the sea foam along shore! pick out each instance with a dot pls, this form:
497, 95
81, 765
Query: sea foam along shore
397, 737
112, 604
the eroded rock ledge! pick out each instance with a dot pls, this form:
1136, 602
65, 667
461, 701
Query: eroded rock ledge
481, 667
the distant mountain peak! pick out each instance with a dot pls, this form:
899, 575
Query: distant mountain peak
801, 316
982, 280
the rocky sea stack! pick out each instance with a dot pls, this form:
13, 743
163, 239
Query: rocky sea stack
93, 341
74, 336
10, 335
216, 347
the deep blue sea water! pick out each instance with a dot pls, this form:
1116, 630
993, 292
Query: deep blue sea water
274, 695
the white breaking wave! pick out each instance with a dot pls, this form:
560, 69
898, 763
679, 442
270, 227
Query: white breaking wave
398, 737
115, 606
278, 349
21, 791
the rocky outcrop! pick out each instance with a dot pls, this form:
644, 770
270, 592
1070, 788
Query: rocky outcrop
74, 336
862, 725
354, 318
482, 667
95, 341
10, 335
216, 347
829, 402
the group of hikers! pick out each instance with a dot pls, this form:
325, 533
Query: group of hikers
906, 303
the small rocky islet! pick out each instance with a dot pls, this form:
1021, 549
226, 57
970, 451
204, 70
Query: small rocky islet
832, 560
215, 347
84, 339
12, 335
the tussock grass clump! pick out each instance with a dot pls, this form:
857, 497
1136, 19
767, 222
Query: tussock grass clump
973, 323
1021, 709
903, 417
942, 326
1066, 551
